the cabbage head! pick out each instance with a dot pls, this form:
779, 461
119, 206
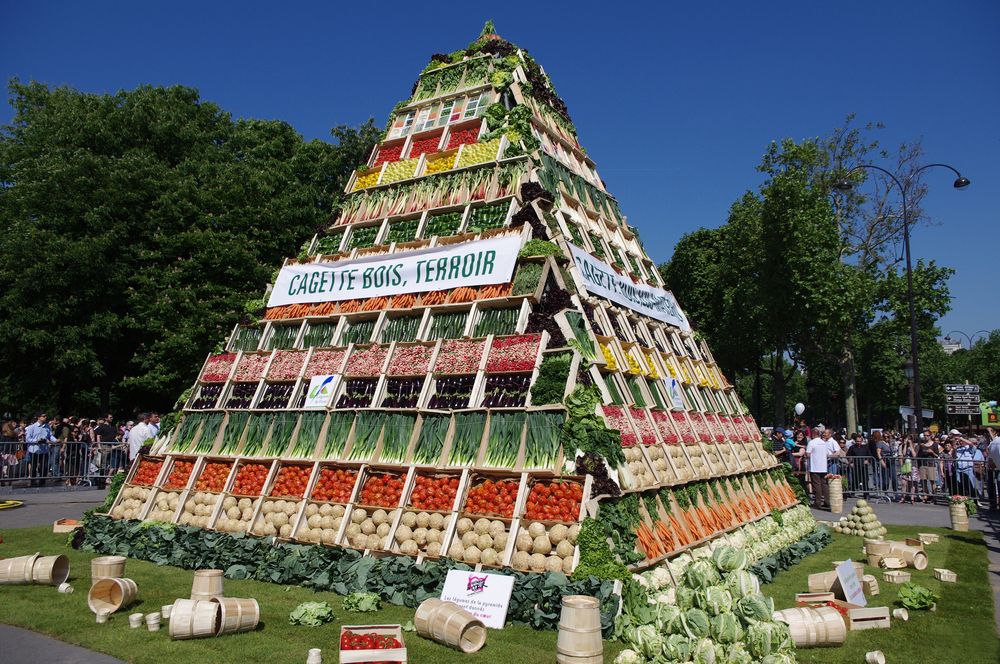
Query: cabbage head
779, 658
742, 583
648, 640
677, 647
755, 608
704, 652
767, 638
699, 625
668, 619
728, 558
736, 653
701, 574
685, 597
726, 628
629, 657
717, 600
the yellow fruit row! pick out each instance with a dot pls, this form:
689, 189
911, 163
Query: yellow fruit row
609, 358
365, 181
399, 170
439, 164
477, 153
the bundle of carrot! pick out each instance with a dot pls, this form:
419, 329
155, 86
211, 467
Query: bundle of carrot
434, 297
498, 290
350, 306
375, 304
404, 301
463, 294
648, 542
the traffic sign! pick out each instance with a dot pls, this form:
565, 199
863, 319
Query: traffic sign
962, 409
961, 389
962, 398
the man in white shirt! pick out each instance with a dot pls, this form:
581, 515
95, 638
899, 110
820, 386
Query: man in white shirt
138, 436
819, 450
993, 465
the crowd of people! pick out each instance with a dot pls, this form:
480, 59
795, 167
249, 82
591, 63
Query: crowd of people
72, 450
900, 467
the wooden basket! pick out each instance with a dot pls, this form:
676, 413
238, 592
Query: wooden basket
111, 594
449, 624
814, 627
51, 570
914, 556
896, 576
194, 619
107, 567
579, 638
17, 571
945, 575
207, 584
237, 615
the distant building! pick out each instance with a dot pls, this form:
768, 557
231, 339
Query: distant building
950, 346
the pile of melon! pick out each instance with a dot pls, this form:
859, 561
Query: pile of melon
542, 549
861, 521
133, 498
165, 507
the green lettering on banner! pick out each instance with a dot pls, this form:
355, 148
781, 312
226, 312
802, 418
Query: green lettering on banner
488, 263
468, 265
441, 268
420, 264
455, 267
312, 282
366, 278
351, 278
291, 285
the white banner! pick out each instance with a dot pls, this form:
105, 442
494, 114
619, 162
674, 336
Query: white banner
478, 263
601, 279
486, 596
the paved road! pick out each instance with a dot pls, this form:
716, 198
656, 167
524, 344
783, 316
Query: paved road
21, 646
44, 507
937, 516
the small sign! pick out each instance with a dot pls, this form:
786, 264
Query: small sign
963, 409
851, 584
961, 389
486, 596
320, 392
962, 398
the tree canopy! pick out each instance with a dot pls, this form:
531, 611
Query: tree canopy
135, 226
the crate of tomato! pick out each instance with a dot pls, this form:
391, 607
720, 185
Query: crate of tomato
372, 643
146, 472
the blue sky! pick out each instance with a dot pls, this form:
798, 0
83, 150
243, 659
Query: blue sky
676, 102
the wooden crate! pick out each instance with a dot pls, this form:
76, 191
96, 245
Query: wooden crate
811, 599
386, 655
876, 617
896, 576
870, 585
945, 575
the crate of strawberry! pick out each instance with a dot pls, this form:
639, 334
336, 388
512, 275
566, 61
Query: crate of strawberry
372, 644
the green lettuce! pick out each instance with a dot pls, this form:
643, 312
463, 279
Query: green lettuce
311, 614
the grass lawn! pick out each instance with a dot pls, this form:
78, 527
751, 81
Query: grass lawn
961, 630
67, 618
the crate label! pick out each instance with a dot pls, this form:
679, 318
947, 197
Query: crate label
320, 392
849, 582
486, 596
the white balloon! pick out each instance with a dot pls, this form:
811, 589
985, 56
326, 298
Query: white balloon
800, 408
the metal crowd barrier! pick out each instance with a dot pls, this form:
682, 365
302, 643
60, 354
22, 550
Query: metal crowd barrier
904, 479
72, 463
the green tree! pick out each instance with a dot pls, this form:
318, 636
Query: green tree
135, 225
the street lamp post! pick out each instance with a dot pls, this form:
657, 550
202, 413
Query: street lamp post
845, 184
968, 338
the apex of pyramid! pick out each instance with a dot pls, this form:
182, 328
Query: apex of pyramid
489, 31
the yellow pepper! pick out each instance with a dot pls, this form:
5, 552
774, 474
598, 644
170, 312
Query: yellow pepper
609, 358
367, 180
439, 164
633, 365
653, 373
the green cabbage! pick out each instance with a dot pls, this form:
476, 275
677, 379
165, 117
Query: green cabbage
704, 652
768, 638
726, 628
685, 597
312, 614
715, 600
742, 583
737, 653
698, 623
728, 558
701, 574
755, 608
648, 640
677, 647
779, 658
668, 619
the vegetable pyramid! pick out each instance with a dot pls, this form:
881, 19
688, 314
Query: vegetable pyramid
477, 338
861, 521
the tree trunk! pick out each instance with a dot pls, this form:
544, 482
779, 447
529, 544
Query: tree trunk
848, 377
778, 388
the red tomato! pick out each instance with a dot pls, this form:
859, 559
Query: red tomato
434, 493
334, 485
493, 498
250, 479
382, 490
179, 475
554, 501
213, 477
147, 472
291, 481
